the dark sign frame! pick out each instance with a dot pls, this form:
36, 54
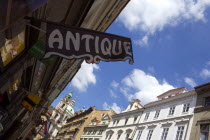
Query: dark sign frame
77, 43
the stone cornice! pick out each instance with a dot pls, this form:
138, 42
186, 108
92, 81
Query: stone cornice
129, 113
171, 99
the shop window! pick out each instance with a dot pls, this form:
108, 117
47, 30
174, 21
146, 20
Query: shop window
204, 128
12, 48
207, 101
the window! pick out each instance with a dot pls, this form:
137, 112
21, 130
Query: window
186, 108
149, 135
135, 118
94, 132
107, 135
164, 133
85, 132
114, 122
12, 48
126, 120
56, 115
204, 128
146, 116
207, 101
139, 135
118, 122
118, 136
127, 135
100, 132
179, 133
110, 136
157, 114
62, 105
171, 111
90, 131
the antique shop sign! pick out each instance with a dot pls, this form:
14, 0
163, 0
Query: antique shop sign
93, 46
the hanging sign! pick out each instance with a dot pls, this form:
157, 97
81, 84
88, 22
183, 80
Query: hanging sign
93, 46
30, 101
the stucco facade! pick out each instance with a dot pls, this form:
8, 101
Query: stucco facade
124, 124
201, 123
168, 118
74, 127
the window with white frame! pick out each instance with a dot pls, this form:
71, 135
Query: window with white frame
126, 120
186, 108
146, 116
157, 114
149, 135
171, 111
139, 135
118, 136
179, 133
164, 133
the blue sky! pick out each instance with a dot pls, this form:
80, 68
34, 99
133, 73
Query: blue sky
171, 49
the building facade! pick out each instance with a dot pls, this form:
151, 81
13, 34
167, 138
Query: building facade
168, 118
63, 111
124, 124
96, 128
74, 127
201, 123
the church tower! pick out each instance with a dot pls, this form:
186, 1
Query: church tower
61, 113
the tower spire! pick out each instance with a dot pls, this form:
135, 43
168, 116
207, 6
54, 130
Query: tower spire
69, 96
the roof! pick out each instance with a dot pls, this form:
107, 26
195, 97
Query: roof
172, 92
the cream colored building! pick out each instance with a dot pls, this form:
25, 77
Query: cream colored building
74, 127
63, 111
123, 125
96, 128
168, 118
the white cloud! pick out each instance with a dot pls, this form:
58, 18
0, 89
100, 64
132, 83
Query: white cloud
208, 63
112, 94
153, 15
142, 42
205, 73
114, 84
85, 76
190, 82
146, 87
114, 106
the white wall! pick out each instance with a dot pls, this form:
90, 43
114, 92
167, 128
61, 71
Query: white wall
178, 119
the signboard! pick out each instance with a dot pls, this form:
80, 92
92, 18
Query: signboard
93, 46
30, 101
38, 51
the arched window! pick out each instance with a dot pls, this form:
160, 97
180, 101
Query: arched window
56, 115
62, 105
